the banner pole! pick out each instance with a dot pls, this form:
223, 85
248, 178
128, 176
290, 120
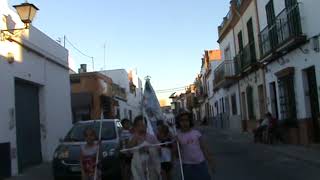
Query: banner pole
179, 151
98, 151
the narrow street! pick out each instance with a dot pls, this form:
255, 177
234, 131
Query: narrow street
236, 157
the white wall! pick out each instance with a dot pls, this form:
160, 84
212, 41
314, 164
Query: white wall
299, 61
120, 77
254, 79
47, 68
228, 41
242, 26
309, 12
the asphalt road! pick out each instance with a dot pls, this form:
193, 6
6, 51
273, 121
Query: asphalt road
236, 158
240, 159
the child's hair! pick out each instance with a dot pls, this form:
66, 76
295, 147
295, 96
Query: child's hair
124, 121
139, 118
184, 113
164, 129
88, 129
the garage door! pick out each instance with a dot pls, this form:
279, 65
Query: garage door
27, 125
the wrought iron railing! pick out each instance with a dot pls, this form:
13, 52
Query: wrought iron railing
225, 20
286, 26
245, 58
225, 69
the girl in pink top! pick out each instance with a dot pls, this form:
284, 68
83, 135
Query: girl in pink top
194, 152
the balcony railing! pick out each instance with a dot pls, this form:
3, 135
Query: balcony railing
245, 58
287, 26
223, 71
225, 20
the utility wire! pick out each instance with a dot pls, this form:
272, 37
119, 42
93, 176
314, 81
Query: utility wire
78, 49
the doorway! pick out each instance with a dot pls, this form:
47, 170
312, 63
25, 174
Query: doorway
314, 102
273, 98
27, 125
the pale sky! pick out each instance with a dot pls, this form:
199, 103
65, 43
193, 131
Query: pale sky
164, 39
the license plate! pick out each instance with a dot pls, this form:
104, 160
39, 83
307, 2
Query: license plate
75, 169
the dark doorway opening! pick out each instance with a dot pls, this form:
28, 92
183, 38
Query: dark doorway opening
27, 125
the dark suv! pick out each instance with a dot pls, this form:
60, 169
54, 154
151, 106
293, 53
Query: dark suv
66, 164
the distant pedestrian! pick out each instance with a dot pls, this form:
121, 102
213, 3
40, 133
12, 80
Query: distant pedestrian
164, 136
196, 158
88, 155
125, 157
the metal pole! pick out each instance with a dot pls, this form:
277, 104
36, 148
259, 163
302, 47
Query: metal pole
179, 153
98, 151
92, 64
104, 56
64, 41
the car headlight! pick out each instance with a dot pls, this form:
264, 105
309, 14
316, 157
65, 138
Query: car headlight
62, 153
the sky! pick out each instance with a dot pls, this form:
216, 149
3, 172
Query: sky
164, 39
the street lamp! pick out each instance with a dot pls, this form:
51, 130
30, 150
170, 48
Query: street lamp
26, 12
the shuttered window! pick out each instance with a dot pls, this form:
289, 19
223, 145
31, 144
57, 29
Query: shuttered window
287, 99
250, 103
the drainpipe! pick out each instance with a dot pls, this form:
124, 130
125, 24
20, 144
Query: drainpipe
263, 66
235, 52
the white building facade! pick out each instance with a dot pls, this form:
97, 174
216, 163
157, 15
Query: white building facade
226, 87
289, 32
131, 107
35, 103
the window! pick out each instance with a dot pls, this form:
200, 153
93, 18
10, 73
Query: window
251, 40
240, 41
287, 98
234, 104
76, 133
250, 102
238, 2
261, 100
271, 18
222, 105
227, 106
74, 80
227, 53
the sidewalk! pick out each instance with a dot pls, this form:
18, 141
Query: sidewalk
309, 154
42, 171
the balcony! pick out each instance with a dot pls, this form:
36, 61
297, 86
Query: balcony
245, 58
225, 22
284, 34
224, 74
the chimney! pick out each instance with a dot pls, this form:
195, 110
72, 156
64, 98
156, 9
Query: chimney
83, 68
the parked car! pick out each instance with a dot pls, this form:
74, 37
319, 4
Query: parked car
66, 163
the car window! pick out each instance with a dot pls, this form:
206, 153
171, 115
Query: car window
108, 131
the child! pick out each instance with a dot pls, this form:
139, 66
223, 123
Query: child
164, 136
145, 162
88, 154
125, 157
194, 152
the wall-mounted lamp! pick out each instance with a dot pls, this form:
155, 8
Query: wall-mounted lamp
26, 12
10, 57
